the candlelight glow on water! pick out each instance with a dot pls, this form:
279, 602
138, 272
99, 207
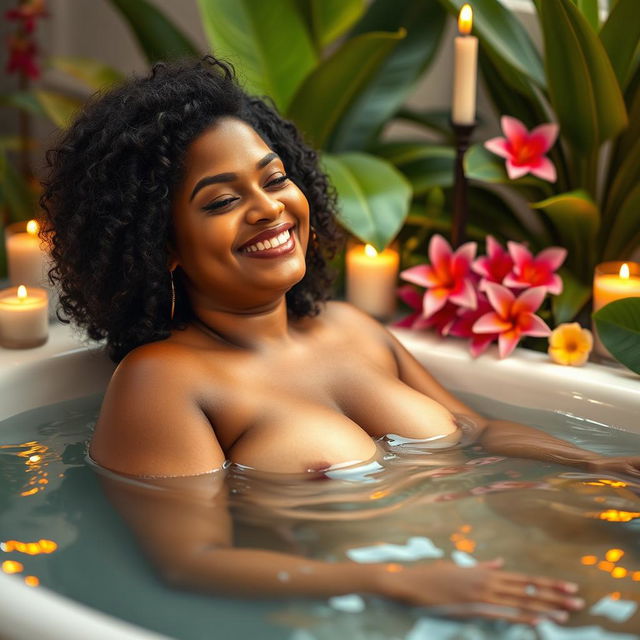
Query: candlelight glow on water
416, 505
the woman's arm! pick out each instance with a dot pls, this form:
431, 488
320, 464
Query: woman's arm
504, 437
184, 528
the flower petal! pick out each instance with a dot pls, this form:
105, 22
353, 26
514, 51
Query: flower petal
544, 169
513, 128
519, 254
516, 171
479, 344
500, 298
532, 325
548, 132
481, 266
466, 297
555, 285
507, 342
491, 323
434, 299
410, 296
499, 146
494, 248
529, 301
422, 275
552, 258
408, 322
439, 251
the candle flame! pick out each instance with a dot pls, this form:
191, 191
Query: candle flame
370, 251
465, 20
33, 227
624, 271
22, 292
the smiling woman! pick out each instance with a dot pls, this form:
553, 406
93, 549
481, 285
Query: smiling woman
181, 187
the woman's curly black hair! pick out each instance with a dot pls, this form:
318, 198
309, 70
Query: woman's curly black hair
107, 200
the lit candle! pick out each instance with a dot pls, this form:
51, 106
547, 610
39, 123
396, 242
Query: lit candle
26, 260
24, 321
371, 280
465, 70
614, 281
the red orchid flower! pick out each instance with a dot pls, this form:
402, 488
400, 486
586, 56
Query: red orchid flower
448, 278
462, 327
524, 150
512, 318
495, 265
538, 271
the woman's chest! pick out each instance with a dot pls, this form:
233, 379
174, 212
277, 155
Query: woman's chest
292, 418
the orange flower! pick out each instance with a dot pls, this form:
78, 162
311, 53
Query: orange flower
570, 344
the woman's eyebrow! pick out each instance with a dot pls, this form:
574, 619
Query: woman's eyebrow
229, 177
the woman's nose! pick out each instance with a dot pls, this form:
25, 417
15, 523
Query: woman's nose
264, 207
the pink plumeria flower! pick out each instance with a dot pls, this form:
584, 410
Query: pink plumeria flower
535, 271
512, 318
524, 150
440, 321
448, 278
495, 265
462, 327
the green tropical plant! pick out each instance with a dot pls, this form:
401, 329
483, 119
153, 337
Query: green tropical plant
587, 78
618, 325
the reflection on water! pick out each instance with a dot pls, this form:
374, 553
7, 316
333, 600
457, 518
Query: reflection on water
412, 502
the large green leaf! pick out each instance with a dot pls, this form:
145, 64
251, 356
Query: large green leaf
576, 218
589, 9
424, 165
91, 73
387, 90
268, 43
618, 325
59, 108
156, 35
329, 91
625, 227
373, 196
583, 88
620, 35
575, 295
437, 120
327, 20
501, 33
625, 180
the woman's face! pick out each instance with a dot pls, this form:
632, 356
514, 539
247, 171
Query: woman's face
234, 201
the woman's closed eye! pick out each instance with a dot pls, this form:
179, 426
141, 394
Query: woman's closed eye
224, 202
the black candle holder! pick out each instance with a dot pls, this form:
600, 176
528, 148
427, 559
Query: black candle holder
462, 134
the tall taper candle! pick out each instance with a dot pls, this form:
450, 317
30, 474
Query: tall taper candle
465, 74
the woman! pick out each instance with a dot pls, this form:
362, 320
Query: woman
191, 228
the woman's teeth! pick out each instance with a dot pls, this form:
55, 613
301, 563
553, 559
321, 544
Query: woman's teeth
269, 244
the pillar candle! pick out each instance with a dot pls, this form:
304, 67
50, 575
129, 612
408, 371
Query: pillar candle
24, 320
465, 71
372, 279
614, 281
26, 260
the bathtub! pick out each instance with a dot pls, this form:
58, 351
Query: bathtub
69, 367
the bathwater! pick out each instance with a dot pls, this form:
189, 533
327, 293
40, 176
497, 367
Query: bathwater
63, 526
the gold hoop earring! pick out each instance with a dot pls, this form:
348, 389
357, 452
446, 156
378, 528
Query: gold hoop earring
173, 295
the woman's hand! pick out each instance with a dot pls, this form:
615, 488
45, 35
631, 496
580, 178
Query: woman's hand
630, 465
483, 590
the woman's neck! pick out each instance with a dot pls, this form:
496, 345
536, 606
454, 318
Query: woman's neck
255, 329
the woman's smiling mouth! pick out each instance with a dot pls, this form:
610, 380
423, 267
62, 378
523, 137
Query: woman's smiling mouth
273, 246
